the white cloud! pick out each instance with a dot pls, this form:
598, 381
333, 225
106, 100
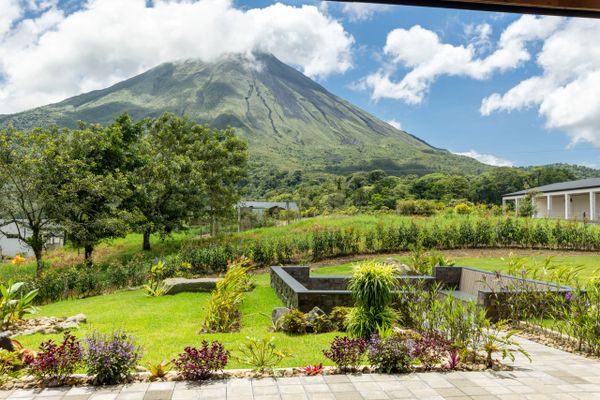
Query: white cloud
361, 11
396, 124
10, 11
567, 92
487, 158
421, 51
51, 56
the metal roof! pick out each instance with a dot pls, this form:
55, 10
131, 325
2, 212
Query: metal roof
269, 204
566, 8
560, 187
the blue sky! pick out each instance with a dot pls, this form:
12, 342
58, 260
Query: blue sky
520, 89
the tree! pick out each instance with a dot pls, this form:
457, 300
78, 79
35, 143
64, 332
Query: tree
90, 190
28, 167
184, 170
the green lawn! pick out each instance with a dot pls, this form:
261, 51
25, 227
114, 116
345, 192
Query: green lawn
165, 325
589, 264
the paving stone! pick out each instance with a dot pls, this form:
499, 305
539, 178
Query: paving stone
348, 396
136, 396
342, 387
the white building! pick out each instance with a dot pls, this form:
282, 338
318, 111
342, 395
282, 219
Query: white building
576, 200
11, 245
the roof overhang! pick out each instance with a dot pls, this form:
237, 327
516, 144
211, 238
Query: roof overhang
566, 8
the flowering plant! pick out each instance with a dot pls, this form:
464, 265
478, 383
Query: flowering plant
346, 352
111, 357
58, 360
198, 364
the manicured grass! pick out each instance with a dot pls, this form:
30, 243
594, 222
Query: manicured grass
589, 264
165, 325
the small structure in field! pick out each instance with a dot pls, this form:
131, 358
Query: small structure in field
253, 214
576, 200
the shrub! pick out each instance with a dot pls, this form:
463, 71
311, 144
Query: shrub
362, 322
339, 317
58, 360
260, 354
389, 354
198, 364
430, 349
464, 208
346, 352
371, 285
110, 358
293, 322
223, 313
417, 207
320, 323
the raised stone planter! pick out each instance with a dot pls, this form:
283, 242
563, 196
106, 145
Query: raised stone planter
180, 285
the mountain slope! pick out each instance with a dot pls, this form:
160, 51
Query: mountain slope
289, 121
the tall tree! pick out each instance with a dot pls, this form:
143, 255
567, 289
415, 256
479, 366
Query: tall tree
91, 188
29, 163
184, 171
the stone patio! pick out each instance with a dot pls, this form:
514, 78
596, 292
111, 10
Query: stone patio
552, 375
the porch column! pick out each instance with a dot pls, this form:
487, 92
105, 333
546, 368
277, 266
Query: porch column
592, 206
548, 206
516, 207
567, 206
503, 206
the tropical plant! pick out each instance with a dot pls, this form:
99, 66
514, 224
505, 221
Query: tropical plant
155, 286
372, 286
494, 340
159, 370
199, 363
313, 370
110, 358
346, 352
58, 360
223, 313
13, 304
10, 362
260, 354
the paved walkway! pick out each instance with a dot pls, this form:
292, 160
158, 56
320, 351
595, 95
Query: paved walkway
552, 375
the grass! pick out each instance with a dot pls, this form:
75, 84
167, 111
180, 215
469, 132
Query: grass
589, 264
165, 325
110, 251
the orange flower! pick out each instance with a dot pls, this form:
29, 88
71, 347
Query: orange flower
18, 260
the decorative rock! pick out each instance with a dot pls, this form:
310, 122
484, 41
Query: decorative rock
180, 285
277, 313
79, 318
6, 343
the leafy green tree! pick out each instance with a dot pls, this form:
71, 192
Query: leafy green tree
28, 167
184, 171
90, 190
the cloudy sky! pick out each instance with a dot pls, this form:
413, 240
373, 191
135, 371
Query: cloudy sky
504, 88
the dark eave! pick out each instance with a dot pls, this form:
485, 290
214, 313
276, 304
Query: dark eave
566, 8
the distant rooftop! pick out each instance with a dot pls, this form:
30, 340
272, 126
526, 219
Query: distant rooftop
269, 204
561, 186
